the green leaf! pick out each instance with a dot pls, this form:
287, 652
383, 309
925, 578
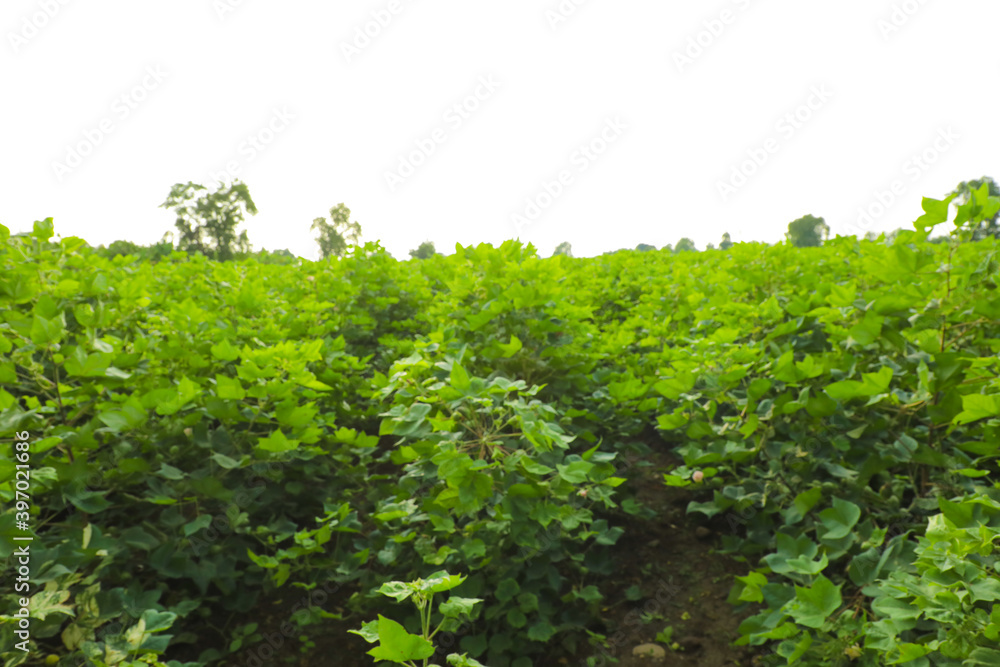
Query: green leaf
463, 660
229, 388
872, 384
672, 387
758, 388
139, 538
541, 632
576, 472
978, 406
839, 519
47, 602
116, 421
225, 351
507, 589
987, 657
369, 631
960, 514
91, 502
510, 349
807, 565
936, 212
457, 607
398, 645
224, 461
813, 605
440, 582
788, 548
676, 419
169, 472
43, 230
192, 527
985, 590
397, 590
806, 500
751, 591
792, 652
459, 378
868, 330
81, 364
895, 609
516, 618
277, 443
46, 331
908, 652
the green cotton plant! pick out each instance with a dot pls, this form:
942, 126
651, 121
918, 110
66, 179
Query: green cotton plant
489, 483
349, 422
945, 609
397, 645
832, 394
174, 437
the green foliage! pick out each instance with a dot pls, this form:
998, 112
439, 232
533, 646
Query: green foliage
424, 251
395, 644
945, 605
807, 232
283, 256
645, 247
685, 245
726, 242
838, 415
204, 433
491, 465
338, 233
982, 188
207, 221
154, 423
563, 248
151, 253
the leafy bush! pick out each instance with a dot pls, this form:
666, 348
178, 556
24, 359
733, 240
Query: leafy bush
201, 434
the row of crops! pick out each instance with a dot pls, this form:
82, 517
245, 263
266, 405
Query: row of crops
202, 434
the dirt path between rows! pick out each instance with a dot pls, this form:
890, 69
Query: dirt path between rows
684, 584
669, 575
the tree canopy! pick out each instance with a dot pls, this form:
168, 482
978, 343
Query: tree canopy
563, 248
207, 221
424, 251
338, 233
963, 193
807, 232
685, 245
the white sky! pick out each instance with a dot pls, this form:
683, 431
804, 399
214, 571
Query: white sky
229, 65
